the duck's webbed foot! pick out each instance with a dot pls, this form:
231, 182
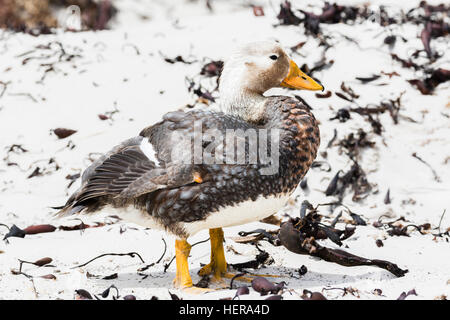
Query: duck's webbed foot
217, 268
218, 265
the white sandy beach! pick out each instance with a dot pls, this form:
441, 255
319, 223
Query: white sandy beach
121, 73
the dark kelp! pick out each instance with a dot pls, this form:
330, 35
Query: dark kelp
298, 242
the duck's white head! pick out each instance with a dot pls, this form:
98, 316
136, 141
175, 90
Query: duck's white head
252, 70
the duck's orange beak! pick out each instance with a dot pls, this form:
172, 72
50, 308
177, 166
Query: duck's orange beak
297, 79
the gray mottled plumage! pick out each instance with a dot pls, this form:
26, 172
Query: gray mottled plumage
167, 190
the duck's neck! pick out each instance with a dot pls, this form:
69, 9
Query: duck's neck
243, 103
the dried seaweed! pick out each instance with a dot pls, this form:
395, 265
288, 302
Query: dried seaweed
342, 115
349, 91
356, 178
308, 295
319, 164
173, 296
347, 290
106, 292
391, 105
131, 254
258, 11
320, 65
310, 224
396, 228
387, 197
40, 228
368, 79
14, 231
264, 286
390, 40
435, 175
63, 133
203, 282
354, 142
304, 184
331, 13
176, 59
427, 85
212, 69
342, 96
330, 143
286, 16
404, 295
297, 241
405, 63
433, 30
157, 261
335, 13
111, 277
39, 263
325, 95
260, 234
202, 93
275, 297
332, 187
83, 294
262, 258
72, 178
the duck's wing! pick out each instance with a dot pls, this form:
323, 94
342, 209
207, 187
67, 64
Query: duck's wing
119, 172
127, 171
161, 157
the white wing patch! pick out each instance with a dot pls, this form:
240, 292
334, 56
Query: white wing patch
147, 148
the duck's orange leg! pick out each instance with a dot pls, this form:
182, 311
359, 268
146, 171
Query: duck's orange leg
218, 265
183, 278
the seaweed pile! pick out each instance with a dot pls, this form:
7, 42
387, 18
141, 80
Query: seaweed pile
432, 19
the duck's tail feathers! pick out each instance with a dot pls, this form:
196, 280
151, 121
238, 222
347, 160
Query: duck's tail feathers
70, 210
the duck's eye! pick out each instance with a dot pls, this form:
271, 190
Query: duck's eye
273, 57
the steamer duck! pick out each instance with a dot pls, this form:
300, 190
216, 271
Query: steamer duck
163, 179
